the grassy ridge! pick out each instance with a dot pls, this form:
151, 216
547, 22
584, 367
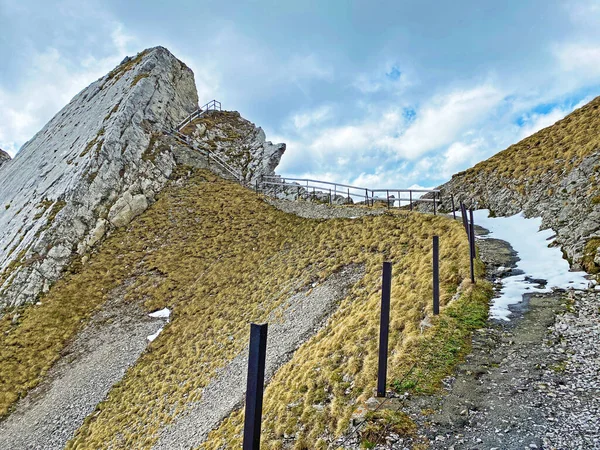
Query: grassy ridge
550, 152
220, 257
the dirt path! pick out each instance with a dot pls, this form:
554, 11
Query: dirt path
291, 325
533, 382
98, 357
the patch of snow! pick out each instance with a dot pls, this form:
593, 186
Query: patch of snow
538, 261
155, 335
161, 314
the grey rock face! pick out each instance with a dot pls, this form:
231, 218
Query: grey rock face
569, 206
242, 144
4, 157
98, 163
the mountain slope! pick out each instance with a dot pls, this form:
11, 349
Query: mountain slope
84, 169
553, 174
220, 257
102, 160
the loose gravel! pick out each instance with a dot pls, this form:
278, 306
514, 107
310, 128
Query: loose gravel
531, 383
289, 326
98, 357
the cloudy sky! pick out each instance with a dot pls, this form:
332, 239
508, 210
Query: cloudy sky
377, 93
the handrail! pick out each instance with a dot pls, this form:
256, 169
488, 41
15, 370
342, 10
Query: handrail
338, 190
213, 105
184, 139
350, 186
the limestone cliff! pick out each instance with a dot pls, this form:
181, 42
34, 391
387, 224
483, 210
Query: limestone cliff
4, 157
96, 165
553, 174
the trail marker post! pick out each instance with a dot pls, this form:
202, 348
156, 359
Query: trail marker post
453, 207
255, 386
384, 326
472, 245
436, 275
463, 213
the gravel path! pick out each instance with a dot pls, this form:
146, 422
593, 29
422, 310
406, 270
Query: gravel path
290, 326
98, 357
531, 383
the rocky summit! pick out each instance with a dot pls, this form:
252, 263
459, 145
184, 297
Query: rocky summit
101, 161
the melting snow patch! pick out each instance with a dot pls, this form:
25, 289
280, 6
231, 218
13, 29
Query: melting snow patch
537, 260
161, 314
155, 335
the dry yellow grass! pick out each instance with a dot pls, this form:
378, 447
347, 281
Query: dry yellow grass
550, 152
221, 258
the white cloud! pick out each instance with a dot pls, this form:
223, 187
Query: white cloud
312, 117
47, 86
387, 137
458, 156
445, 118
582, 58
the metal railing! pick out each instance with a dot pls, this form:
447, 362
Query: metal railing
310, 189
186, 140
213, 105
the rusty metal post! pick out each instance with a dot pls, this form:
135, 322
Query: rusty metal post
436, 275
384, 326
255, 386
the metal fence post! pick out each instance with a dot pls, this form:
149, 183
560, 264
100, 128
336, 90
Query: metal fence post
434, 209
387, 193
255, 386
472, 245
436, 275
453, 208
384, 325
330, 201
463, 213
410, 199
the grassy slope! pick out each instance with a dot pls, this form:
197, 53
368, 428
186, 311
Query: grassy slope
221, 258
552, 151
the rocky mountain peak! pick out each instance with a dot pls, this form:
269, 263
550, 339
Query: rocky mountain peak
97, 164
4, 157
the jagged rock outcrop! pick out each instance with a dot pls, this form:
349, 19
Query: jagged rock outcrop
99, 163
553, 174
241, 144
4, 157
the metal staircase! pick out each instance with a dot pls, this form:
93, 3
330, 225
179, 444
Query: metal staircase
211, 156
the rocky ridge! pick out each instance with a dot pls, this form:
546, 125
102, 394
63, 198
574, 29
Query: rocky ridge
99, 163
553, 174
4, 157
240, 143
